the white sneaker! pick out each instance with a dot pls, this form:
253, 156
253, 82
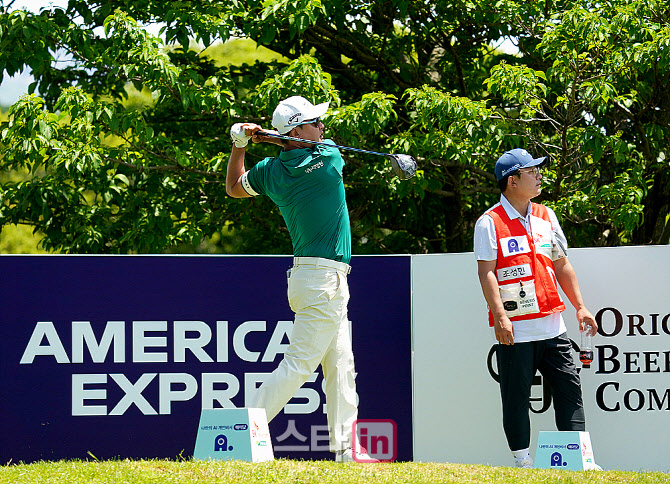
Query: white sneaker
524, 463
361, 456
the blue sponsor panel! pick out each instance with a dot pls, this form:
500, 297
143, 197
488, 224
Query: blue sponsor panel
570, 450
116, 355
233, 434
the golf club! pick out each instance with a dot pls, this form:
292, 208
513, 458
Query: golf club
404, 166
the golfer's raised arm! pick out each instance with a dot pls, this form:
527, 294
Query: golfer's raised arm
240, 133
234, 174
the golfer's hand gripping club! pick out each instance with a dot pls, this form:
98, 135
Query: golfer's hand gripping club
238, 135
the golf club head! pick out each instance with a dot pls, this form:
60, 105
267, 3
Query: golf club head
404, 166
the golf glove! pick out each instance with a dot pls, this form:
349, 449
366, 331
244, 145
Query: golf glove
239, 137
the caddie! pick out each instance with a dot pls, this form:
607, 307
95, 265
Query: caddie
521, 257
305, 182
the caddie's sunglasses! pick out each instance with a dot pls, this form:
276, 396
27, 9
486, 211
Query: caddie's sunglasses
534, 171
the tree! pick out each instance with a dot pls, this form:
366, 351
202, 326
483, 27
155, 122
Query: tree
601, 99
588, 89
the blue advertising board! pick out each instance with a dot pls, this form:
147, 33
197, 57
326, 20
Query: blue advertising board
115, 356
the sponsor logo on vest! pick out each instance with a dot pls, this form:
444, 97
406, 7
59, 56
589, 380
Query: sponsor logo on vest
515, 245
529, 305
510, 305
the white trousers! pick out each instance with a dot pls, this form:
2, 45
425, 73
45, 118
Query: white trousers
319, 296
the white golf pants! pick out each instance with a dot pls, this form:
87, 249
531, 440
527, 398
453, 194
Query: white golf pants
318, 293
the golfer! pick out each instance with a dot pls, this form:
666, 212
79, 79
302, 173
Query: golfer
521, 256
305, 182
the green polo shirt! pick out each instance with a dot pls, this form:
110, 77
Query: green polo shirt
306, 185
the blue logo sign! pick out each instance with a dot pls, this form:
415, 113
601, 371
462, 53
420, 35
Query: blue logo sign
557, 460
241, 427
132, 397
573, 446
221, 443
512, 246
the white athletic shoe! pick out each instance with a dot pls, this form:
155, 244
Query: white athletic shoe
361, 456
524, 463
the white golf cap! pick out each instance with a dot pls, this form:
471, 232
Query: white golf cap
294, 111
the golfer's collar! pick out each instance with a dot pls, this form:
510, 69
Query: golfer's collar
512, 212
287, 155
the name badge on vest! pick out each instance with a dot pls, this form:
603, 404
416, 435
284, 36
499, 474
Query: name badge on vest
514, 272
514, 245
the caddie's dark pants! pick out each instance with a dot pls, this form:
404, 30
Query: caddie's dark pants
517, 365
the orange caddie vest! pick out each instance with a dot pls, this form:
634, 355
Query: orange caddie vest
524, 268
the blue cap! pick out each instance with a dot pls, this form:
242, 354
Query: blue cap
512, 160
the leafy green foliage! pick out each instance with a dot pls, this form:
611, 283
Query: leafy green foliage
108, 174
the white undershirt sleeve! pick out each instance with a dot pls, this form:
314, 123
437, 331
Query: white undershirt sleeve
244, 180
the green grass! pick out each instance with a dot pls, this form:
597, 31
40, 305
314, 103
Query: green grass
304, 472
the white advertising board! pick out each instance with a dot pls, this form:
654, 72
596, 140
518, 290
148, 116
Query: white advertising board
457, 415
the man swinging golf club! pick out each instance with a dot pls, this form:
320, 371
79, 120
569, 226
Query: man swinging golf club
305, 182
